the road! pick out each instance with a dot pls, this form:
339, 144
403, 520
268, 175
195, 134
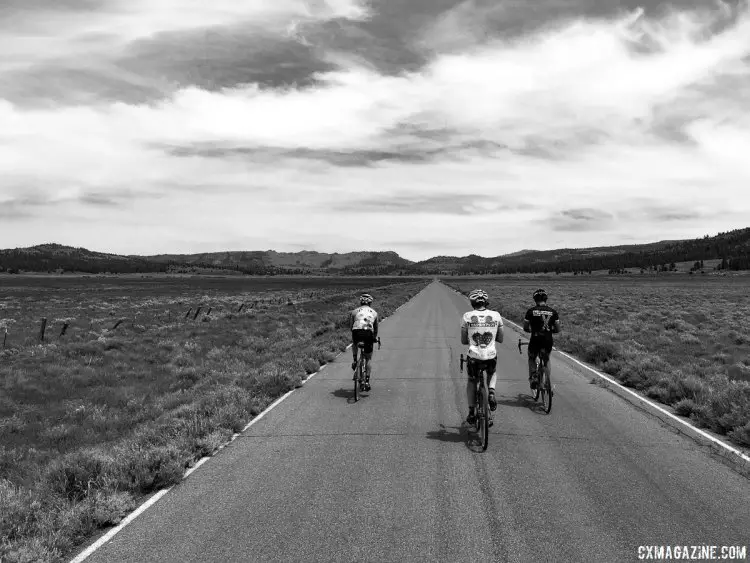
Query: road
397, 476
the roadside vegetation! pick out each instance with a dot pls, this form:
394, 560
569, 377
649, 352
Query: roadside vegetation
142, 384
681, 341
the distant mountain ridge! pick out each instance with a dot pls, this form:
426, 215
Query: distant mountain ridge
289, 262
732, 248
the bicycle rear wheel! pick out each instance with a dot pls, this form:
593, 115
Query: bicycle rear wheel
357, 379
546, 391
485, 423
477, 408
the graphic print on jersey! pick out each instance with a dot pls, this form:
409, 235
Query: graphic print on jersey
364, 318
482, 327
542, 319
546, 316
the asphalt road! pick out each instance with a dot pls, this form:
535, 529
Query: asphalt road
398, 477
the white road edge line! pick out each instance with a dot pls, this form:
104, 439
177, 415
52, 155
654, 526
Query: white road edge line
650, 403
653, 405
85, 554
114, 531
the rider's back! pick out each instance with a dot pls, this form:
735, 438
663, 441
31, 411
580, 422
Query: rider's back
364, 318
542, 320
482, 327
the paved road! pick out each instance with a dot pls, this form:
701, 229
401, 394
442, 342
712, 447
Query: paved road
397, 477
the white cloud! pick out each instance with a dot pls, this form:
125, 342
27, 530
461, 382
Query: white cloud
592, 95
53, 34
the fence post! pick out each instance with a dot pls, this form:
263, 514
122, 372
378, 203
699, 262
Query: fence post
64, 328
188, 313
117, 324
209, 311
197, 311
5, 337
42, 329
241, 307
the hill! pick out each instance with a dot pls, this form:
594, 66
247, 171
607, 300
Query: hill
730, 250
305, 262
56, 257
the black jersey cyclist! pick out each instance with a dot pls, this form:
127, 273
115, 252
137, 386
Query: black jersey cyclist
541, 321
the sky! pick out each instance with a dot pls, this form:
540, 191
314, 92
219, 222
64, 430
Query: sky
426, 127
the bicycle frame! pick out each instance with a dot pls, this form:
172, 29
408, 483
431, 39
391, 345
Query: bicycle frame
359, 372
544, 384
481, 403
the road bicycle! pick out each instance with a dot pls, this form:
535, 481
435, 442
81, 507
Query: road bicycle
481, 404
360, 372
541, 377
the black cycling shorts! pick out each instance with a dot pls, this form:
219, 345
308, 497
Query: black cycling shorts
473, 366
540, 345
366, 336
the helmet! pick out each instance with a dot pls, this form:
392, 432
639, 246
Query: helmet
540, 295
365, 299
478, 296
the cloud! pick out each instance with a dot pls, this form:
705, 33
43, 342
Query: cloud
581, 220
318, 115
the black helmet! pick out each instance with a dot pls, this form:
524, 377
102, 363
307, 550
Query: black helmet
540, 295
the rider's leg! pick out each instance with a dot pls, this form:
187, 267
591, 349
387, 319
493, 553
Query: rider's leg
470, 392
354, 351
369, 346
491, 385
532, 367
368, 367
548, 367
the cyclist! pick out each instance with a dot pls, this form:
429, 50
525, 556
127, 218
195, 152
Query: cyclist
480, 329
364, 323
541, 321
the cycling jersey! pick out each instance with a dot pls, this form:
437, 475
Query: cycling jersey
482, 327
542, 319
365, 318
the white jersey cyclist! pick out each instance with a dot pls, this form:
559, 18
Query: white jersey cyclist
364, 323
480, 329
364, 318
482, 326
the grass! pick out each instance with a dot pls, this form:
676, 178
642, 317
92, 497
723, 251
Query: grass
93, 420
680, 340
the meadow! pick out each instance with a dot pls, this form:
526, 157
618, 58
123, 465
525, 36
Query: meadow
681, 340
150, 375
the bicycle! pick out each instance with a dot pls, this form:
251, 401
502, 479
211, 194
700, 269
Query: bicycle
542, 378
359, 371
481, 405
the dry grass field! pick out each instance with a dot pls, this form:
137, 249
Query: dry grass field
137, 389
682, 340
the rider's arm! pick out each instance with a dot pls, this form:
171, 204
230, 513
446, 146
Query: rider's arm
375, 328
464, 336
527, 321
499, 336
556, 328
